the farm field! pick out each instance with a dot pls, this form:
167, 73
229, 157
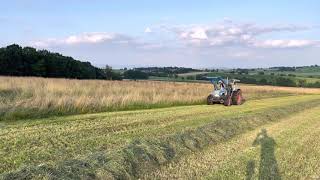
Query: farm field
159, 90
23, 98
167, 142
289, 146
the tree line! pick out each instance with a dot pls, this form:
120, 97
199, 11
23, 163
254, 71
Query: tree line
262, 79
27, 61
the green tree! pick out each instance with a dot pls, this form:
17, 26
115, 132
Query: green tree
108, 72
135, 74
18, 61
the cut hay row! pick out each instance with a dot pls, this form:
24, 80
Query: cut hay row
139, 153
25, 97
296, 152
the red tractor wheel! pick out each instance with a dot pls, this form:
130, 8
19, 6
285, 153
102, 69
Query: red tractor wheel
237, 98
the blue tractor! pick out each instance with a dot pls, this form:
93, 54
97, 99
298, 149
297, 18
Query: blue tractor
226, 91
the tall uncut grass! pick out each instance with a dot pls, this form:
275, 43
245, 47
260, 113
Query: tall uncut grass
30, 97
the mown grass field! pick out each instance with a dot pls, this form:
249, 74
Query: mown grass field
184, 142
295, 153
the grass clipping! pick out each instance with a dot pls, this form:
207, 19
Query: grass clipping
144, 155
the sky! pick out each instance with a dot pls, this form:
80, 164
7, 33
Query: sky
200, 34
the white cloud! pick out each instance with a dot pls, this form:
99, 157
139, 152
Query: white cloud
226, 43
89, 38
225, 33
84, 38
148, 30
198, 33
285, 43
229, 33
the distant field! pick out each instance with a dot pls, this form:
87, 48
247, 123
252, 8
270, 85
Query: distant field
192, 74
308, 74
301, 77
299, 73
23, 98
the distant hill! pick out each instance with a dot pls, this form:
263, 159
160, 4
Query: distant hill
18, 61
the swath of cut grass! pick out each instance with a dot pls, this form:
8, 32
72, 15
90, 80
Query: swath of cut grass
25, 97
296, 151
231, 160
144, 154
56, 139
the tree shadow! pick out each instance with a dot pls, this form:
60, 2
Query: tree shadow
268, 167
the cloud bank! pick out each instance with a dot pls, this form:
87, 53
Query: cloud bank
84, 38
217, 44
229, 33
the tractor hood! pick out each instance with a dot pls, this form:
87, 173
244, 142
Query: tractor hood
218, 93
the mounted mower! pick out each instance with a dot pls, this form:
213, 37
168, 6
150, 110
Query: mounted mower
225, 92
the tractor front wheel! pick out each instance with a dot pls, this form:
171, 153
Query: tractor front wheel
210, 99
237, 98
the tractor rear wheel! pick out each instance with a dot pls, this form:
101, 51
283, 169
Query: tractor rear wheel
210, 99
227, 101
237, 98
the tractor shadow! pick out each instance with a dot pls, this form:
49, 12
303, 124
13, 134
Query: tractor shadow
268, 166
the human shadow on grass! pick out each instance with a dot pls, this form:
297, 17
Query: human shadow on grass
268, 167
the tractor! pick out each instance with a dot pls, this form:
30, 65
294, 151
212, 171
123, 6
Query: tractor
225, 92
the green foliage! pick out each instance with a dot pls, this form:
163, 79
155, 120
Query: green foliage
135, 74
27, 61
110, 74
191, 77
267, 79
280, 81
165, 71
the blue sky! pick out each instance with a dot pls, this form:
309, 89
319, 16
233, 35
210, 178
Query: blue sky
168, 33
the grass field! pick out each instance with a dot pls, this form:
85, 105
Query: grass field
184, 142
39, 97
291, 145
22, 98
58, 141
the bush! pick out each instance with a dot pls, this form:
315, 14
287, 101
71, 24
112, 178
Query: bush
135, 74
263, 81
191, 77
280, 81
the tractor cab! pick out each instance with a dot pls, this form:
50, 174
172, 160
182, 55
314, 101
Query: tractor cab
219, 86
